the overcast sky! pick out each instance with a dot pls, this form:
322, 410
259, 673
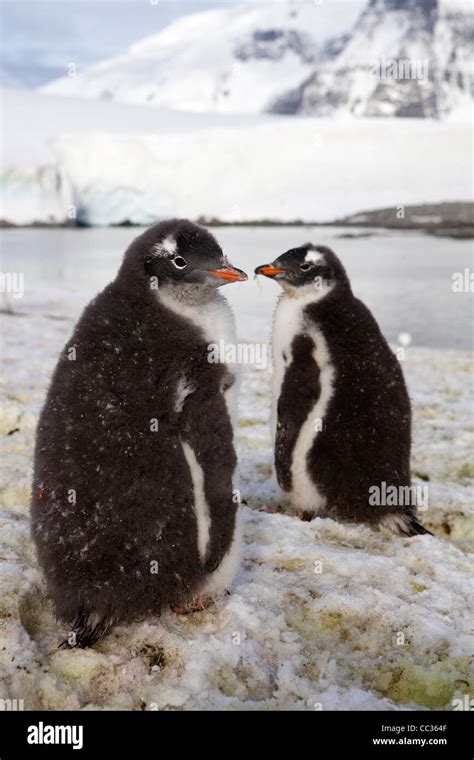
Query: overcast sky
40, 37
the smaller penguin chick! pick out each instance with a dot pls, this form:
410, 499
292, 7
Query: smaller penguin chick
340, 407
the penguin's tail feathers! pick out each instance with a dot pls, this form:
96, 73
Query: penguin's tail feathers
86, 630
417, 529
404, 525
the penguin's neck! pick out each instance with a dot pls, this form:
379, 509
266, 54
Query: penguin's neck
208, 311
176, 296
288, 322
307, 293
214, 317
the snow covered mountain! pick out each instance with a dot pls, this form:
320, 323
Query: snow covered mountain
363, 57
403, 58
230, 60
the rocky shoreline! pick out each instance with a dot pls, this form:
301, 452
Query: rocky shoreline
453, 220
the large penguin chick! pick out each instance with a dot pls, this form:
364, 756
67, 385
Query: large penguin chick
309, 271
182, 261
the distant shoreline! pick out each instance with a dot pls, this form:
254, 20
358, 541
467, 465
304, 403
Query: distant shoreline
453, 220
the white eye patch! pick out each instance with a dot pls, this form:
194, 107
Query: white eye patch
165, 248
313, 257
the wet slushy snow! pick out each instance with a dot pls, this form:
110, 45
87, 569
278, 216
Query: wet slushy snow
321, 616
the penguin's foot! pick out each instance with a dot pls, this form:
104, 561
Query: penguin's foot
277, 509
270, 510
301, 514
195, 605
304, 515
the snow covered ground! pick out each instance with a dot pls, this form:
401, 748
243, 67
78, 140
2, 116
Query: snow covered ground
383, 625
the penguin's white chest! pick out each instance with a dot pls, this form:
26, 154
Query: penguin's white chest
289, 322
214, 317
217, 323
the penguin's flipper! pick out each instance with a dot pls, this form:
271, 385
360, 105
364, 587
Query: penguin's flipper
404, 525
86, 631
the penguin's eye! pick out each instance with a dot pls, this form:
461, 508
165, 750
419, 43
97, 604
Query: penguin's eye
179, 262
305, 266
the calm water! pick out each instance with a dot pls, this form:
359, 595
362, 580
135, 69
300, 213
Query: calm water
405, 279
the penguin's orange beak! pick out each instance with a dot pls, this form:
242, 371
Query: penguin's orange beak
229, 274
268, 270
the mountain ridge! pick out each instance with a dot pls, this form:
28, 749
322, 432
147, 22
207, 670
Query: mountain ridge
403, 58
298, 59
